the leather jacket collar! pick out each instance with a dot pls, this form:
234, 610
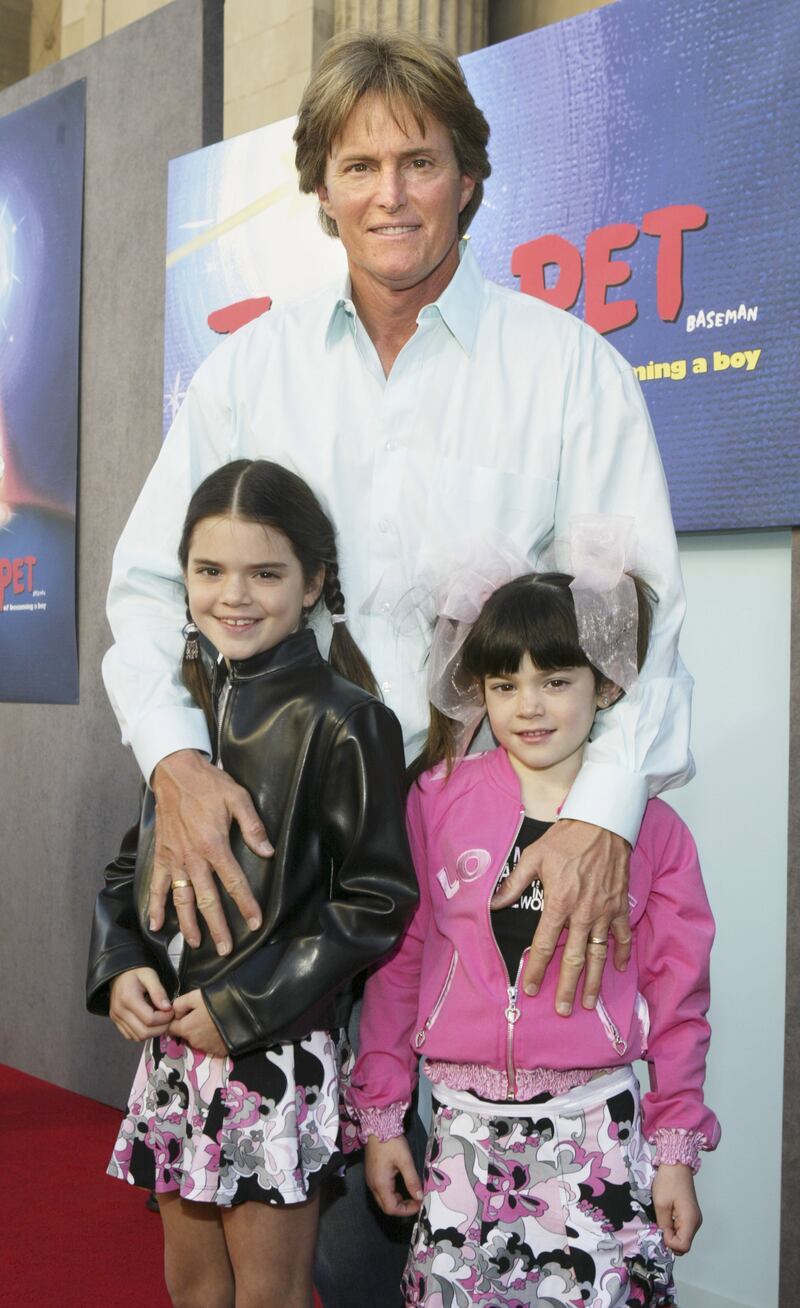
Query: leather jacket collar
297, 650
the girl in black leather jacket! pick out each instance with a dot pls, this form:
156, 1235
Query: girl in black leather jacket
233, 1117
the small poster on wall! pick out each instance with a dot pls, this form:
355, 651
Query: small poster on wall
41, 218
643, 178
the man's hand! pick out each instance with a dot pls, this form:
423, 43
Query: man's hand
677, 1210
193, 1023
195, 805
384, 1161
140, 1006
584, 872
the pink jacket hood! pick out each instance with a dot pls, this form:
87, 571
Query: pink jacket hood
445, 993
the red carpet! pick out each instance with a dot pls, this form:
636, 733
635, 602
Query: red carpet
71, 1236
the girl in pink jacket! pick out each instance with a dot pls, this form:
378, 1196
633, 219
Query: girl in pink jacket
545, 1181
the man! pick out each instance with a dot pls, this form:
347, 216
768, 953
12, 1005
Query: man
429, 408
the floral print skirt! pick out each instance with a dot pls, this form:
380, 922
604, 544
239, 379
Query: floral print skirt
551, 1206
263, 1125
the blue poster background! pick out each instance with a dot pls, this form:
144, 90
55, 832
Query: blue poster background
41, 217
633, 108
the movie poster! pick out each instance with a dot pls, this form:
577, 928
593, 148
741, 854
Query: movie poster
41, 216
644, 177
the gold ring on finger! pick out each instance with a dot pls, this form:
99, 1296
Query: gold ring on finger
178, 885
593, 940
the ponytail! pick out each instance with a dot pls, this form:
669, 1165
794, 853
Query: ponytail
194, 675
344, 654
439, 747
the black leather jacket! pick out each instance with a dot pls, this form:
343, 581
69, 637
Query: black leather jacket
323, 762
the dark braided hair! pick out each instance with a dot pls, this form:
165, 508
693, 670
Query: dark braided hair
344, 654
257, 490
332, 590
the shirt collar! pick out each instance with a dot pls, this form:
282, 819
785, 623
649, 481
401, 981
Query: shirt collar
458, 306
343, 312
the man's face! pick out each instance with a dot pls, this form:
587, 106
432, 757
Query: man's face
395, 194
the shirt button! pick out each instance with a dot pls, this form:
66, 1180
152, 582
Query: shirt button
383, 525
386, 607
390, 446
386, 686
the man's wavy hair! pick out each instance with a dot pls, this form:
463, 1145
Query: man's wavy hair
412, 73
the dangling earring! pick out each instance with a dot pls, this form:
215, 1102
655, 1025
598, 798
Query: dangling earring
192, 648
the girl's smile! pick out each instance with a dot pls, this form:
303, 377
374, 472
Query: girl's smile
245, 585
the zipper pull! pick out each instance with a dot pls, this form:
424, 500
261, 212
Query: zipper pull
611, 1028
512, 1012
420, 1038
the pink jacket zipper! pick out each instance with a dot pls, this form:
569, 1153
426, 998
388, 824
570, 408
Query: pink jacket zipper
511, 1012
422, 1034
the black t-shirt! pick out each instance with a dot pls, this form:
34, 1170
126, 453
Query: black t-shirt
514, 926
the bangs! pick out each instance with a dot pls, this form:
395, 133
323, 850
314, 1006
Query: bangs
532, 615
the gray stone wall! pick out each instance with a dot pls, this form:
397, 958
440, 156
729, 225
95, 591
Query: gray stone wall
69, 789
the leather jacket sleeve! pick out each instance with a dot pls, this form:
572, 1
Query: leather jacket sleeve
117, 944
284, 990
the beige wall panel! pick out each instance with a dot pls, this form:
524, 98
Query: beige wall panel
72, 11
45, 44
72, 39
244, 18
268, 57
93, 21
265, 106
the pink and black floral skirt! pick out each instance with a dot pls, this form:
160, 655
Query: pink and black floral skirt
549, 1204
262, 1126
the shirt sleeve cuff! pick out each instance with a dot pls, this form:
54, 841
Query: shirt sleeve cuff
608, 797
384, 1123
164, 732
675, 1145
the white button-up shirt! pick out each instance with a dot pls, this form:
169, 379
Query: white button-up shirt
500, 414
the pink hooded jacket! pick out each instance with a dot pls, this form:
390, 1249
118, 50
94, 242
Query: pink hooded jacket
445, 993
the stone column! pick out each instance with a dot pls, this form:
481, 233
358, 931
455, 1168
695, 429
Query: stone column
513, 17
463, 26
